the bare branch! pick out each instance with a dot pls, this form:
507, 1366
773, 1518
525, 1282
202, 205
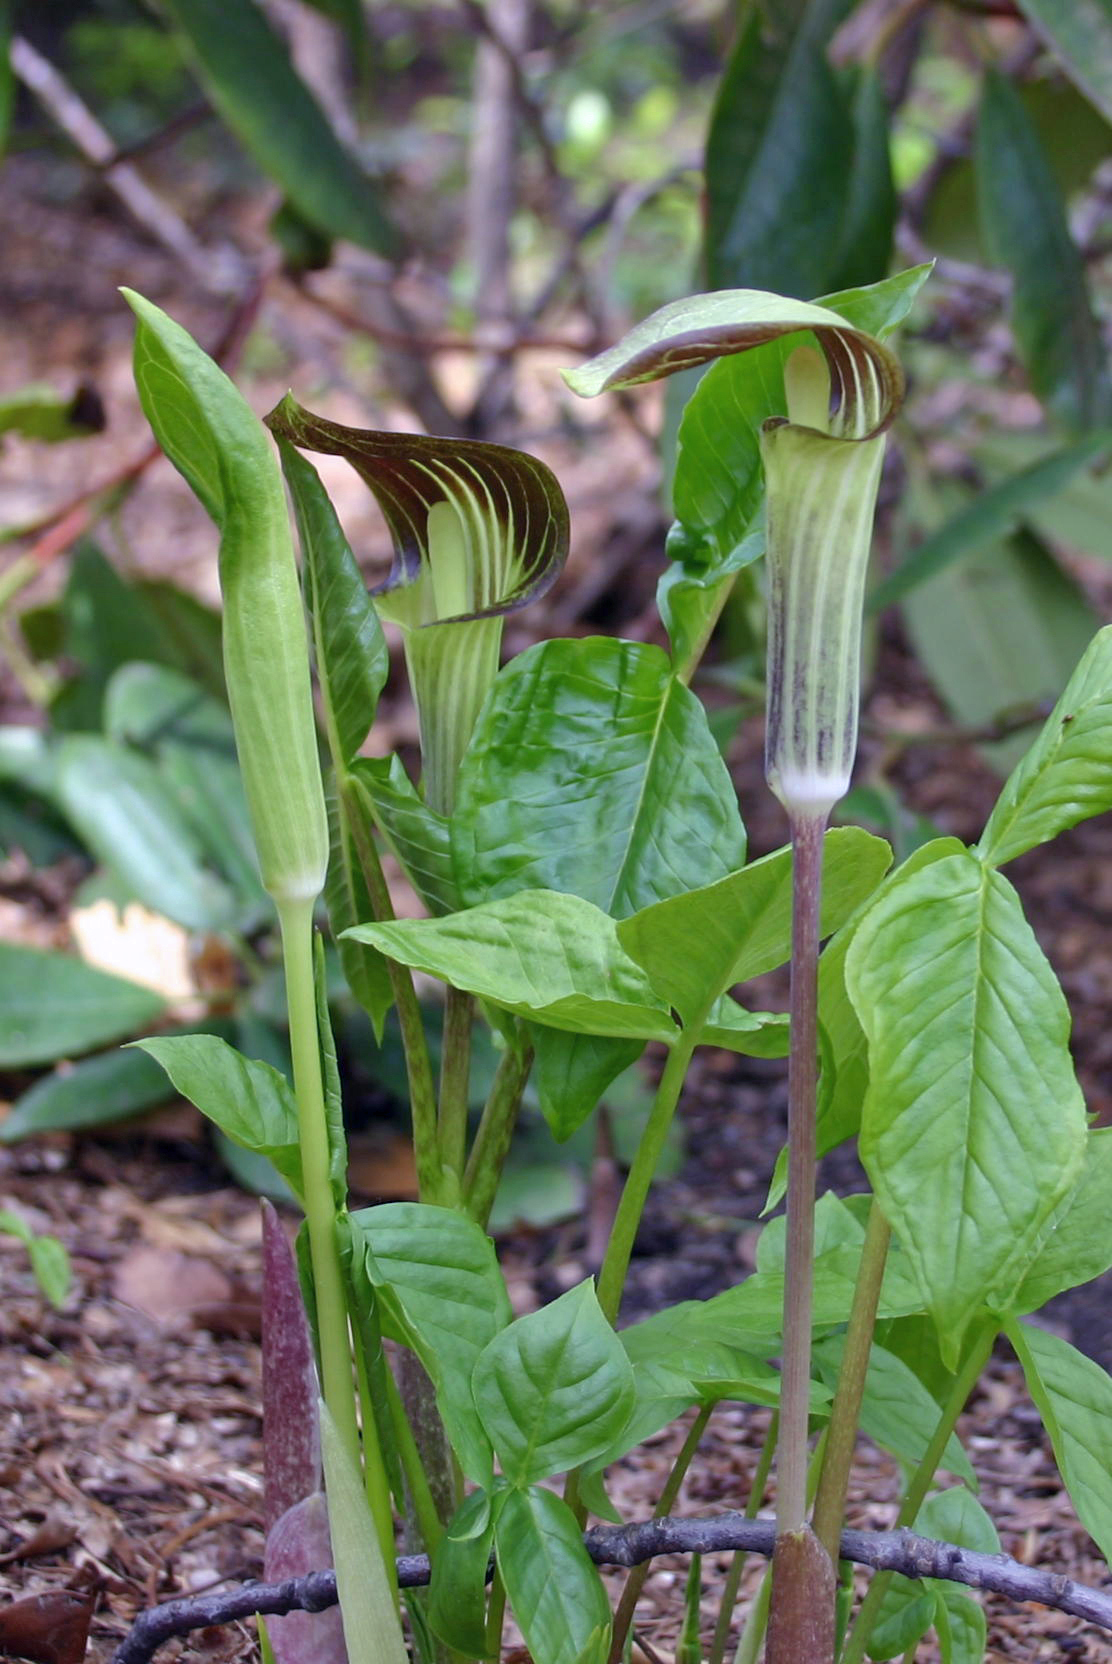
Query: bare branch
629, 1545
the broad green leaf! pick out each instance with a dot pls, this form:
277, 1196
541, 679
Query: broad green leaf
973, 1128
443, 1295
780, 154
992, 514
539, 953
999, 632
694, 947
572, 1071
49, 1259
554, 1388
905, 1615
897, 1412
92, 1093
372, 1631
212, 437
1080, 34
53, 1005
869, 215
115, 800
554, 1590
352, 660
752, 1033
418, 836
1026, 230
592, 770
844, 1053
955, 1516
251, 1102
246, 71
960, 1625
1077, 1245
1074, 1398
457, 1588
348, 903
1066, 775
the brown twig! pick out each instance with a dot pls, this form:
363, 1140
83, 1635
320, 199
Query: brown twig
629, 1545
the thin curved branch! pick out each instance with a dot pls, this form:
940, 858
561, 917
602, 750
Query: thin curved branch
628, 1545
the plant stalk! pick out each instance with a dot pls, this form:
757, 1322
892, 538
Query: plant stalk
841, 1437
922, 1479
807, 830
496, 1126
635, 1582
422, 1090
296, 921
620, 1247
732, 1583
455, 1081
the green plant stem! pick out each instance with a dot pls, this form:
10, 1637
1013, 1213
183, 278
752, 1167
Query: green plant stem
496, 1126
635, 1582
422, 1090
807, 830
455, 1081
615, 1262
732, 1581
496, 1615
841, 1435
296, 921
424, 1507
922, 1479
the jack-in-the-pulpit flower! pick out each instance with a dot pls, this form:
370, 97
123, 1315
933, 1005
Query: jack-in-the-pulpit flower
478, 531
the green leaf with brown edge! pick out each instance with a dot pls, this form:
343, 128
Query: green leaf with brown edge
1066, 776
1080, 35
1026, 230
779, 155
53, 1005
246, 70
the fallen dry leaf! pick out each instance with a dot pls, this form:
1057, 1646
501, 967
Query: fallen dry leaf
137, 944
51, 1628
169, 1286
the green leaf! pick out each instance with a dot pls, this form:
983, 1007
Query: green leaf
49, 1259
39, 412
53, 1005
572, 1071
91, 1093
1081, 36
554, 1589
991, 515
999, 632
251, 1102
752, 1033
554, 1388
695, 946
1066, 776
592, 770
869, 216
443, 1295
955, 1516
960, 1625
973, 1128
418, 836
372, 1632
457, 1588
539, 953
905, 1615
246, 71
1077, 1245
779, 156
116, 802
350, 649
897, 1412
1074, 1398
348, 903
1026, 230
